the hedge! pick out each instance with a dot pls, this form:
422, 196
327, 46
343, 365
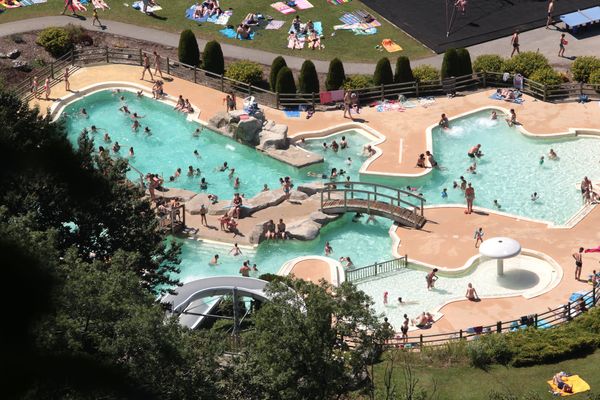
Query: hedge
285, 81
426, 73
546, 76
464, 66
212, 58
450, 64
488, 63
276, 65
583, 67
526, 63
403, 71
336, 75
595, 77
358, 82
56, 41
308, 80
188, 52
245, 71
383, 73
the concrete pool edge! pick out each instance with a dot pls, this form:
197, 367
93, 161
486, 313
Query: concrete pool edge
336, 271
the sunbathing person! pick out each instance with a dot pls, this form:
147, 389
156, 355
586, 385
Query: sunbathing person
558, 381
294, 41
314, 40
250, 19
243, 32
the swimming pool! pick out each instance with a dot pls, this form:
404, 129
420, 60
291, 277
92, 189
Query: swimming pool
171, 145
510, 170
364, 243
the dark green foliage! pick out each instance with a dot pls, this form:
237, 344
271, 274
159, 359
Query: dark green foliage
383, 72
245, 71
276, 65
584, 66
188, 51
403, 71
212, 58
285, 81
594, 78
426, 72
526, 63
489, 349
488, 63
546, 76
336, 75
358, 82
464, 62
56, 41
308, 81
450, 64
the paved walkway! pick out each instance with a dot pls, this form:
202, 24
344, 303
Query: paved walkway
543, 40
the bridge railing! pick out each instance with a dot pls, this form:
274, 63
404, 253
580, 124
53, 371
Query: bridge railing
374, 192
378, 268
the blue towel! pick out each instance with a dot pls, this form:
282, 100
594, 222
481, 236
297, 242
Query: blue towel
368, 31
318, 26
292, 113
189, 14
230, 33
213, 18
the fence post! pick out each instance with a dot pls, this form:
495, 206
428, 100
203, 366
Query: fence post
72, 57
168, 66
313, 100
421, 340
277, 100
52, 70
499, 327
484, 79
249, 90
594, 295
222, 83
535, 319
545, 92
460, 334
375, 269
141, 58
195, 74
106, 53
568, 306
417, 88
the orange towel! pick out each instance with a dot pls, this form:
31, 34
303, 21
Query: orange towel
390, 46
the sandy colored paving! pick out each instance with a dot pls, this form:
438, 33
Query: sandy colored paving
312, 270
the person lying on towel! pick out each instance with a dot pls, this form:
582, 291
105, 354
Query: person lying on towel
558, 381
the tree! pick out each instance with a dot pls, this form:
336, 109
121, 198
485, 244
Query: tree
308, 79
188, 51
304, 355
464, 62
450, 64
285, 81
336, 75
383, 72
276, 65
403, 71
212, 58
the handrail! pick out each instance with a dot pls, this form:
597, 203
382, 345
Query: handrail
355, 274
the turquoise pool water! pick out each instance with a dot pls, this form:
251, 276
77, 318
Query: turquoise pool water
171, 145
364, 244
510, 170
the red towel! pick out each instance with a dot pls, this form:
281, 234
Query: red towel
325, 97
594, 250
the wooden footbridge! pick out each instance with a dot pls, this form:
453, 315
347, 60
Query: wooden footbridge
401, 206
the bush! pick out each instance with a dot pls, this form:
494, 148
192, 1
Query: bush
546, 76
336, 76
245, 71
424, 73
212, 58
308, 79
188, 51
480, 354
403, 71
450, 64
56, 41
464, 62
595, 77
488, 63
526, 63
358, 82
583, 67
276, 65
285, 81
383, 72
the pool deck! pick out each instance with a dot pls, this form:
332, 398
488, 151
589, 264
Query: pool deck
447, 240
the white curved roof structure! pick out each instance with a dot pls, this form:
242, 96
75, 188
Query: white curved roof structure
500, 248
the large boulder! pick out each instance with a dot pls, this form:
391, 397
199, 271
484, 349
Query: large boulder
305, 229
236, 114
247, 131
311, 188
13, 54
257, 234
171, 193
220, 120
296, 195
263, 200
322, 218
274, 136
193, 205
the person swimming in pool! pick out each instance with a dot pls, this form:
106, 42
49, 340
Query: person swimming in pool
494, 115
472, 168
147, 131
135, 126
541, 160
197, 132
534, 196
235, 250
214, 260
552, 155
444, 122
196, 154
497, 205
203, 184
223, 167
475, 151
432, 162
444, 193
107, 138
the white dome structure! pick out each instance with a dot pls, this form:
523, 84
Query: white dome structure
500, 248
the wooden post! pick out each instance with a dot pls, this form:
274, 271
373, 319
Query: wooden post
421, 340
141, 58
277, 100
568, 316
545, 92
499, 326
168, 66
52, 70
535, 320
183, 214
375, 269
106, 52
417, 88
382, 92
222, 83
194, 74
460, 334
484, 79
594, 295
72, 57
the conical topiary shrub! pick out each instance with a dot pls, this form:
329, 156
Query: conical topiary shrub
450, 64
188, 52
383, 73
308, 81
276, 65
212, 58
403, 71
336, 75
464, 62
285, 81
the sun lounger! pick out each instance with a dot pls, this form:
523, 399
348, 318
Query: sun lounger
274, 24
283, 8
578, 385
390, 46
303, 4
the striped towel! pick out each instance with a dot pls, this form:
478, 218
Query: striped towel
283, 8
303, 4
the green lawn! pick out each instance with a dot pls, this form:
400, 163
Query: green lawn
344, 44
465, 383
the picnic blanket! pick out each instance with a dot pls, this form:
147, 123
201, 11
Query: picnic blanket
139, 5
390, 106
358, 17
222, 19
390, 45
231, 34
26, 3
303, 4
578, 385
363, 31
39, 1
283, 8
274, 24
292, 113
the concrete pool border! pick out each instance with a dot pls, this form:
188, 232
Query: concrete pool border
337, 274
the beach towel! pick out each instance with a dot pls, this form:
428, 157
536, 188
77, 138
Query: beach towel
14, 5
337, 95
390, 46
303, 4
283, 8
231, 34
325, 97
296, 44
76, 6
292, 113
578, 385
26, 3
101, 4
363, 31
317, 25
39, 1
189, 14
337, 2
139, 5
274, 24
223, 19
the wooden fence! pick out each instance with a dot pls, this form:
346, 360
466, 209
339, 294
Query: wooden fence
80, 57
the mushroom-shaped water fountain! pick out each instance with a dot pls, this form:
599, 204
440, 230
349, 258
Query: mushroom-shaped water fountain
500, 248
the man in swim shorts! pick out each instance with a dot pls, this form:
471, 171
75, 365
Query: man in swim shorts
475, 151
578, 256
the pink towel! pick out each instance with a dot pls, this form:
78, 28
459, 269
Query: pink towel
303, 4
325, 97
283, 8
337, 95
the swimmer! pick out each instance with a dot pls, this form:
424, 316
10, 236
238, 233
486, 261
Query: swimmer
541, 160
444, 193
136, 116
432, 162
334, 174
198, 172
328, 249
125, 109
534, 196
494, 116
343, 143
135, 126
421, 161
214, 260
348, 262
497, 205
372, 219
203, 184
475, 151
348, 183
349, 161
196, 154
236, 183
357, 217
412, 188
131, 152
368, 151
177, 173
463, 183
401, 302
196, 132
385, 298
325, 146
231, 172
107, 138
552, 155
512, 118
334, 146
147, 131
223, 167
235, 250
444, 122
140, 93
471, 293
454, 185
431, 278
93, 129
116, 147
472, 169
190, 171
265, 188
84, 113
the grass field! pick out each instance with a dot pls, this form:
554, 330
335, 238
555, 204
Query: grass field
468, 383
344, 44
